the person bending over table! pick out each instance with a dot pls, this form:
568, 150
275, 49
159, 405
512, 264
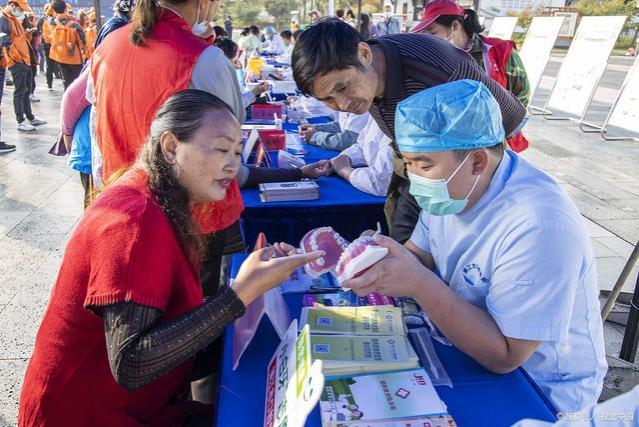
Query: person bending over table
500, 259
335, 65
126, 316
337, 135
367, 164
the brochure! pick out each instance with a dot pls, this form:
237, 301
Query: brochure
293, 382
348, 299
371, 320
348, 355
379, 397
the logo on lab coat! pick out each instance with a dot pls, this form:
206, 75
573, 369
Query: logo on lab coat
473, 276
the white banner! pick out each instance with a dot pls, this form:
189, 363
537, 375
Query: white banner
535, 52
625, 113
584, 64
503, 27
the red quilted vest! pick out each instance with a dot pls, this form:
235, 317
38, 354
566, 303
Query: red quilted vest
499, 52
131, 84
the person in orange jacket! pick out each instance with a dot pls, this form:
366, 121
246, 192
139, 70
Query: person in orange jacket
91, 34
15, 56
46, 24
68, 44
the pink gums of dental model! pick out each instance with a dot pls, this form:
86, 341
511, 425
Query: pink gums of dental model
327, 240
344, 259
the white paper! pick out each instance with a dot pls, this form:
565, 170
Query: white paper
288, 161
535, 52
283, 86
249, 144
503, 27
584, 64
625, 113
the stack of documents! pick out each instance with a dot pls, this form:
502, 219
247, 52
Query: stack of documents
289, 191
357, 340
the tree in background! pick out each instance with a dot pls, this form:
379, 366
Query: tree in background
278, 12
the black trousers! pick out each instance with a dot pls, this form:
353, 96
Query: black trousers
70, 72
52, 66
21, 74
406, 213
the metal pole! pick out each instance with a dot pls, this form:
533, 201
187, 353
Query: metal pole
631, 336
616, 290
98, 14
359, 12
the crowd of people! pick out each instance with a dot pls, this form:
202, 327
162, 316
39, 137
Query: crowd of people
431, 119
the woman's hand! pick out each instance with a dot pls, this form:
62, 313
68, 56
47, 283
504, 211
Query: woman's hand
307, 131
261, 272
315, 170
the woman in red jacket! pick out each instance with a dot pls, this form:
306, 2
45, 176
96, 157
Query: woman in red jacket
499, 58
126, 315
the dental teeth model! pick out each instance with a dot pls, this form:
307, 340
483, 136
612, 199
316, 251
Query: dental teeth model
344, 259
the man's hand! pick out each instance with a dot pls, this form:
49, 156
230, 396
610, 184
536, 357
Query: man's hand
307, 132
315, 170
261, 88
399, 274
342, 166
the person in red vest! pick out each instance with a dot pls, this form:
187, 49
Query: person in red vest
167, 47
126, 317
448, 20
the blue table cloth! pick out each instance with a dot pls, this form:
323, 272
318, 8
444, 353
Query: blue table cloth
341, 206
478, 397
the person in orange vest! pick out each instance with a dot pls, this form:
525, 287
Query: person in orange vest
68, 44
16, 57
166, 48
450, 21
91, 34
46, 24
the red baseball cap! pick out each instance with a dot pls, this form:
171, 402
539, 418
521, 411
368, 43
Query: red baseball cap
435, 9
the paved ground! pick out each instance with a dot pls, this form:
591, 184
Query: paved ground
41, 201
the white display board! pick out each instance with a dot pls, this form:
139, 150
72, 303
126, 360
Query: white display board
503, 27
625, 112
570, 23
539, 41
584, 64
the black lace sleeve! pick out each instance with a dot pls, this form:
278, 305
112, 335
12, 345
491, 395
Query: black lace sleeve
142, 346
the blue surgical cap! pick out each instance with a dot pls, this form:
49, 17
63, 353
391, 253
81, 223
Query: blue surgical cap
460, 115
270, 30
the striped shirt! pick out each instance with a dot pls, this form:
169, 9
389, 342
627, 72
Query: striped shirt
415, 62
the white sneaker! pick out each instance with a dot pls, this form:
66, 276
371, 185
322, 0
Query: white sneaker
26, 127
32, 98
37, 122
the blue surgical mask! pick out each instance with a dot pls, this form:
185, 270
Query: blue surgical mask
432, 194
18, 14
200, 26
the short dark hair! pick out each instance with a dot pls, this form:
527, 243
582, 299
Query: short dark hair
497, 149
59, 6
220, 32
327, 46
286, 34
339, 13
470, 22
254, 29
228, 46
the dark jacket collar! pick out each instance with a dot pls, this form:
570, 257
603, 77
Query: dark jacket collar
394, 73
